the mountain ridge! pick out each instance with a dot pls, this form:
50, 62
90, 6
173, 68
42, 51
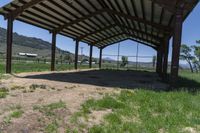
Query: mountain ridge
24, 44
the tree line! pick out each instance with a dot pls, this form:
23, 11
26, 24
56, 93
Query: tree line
191, 54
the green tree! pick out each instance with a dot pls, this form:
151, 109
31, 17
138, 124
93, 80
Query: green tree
124, 61
195, 64
197, 54
186, 55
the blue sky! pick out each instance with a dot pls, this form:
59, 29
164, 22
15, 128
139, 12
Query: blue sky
191, 33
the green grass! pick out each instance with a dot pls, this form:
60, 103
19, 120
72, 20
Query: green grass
145, 111
52, 128
188, 81
3, 92
49, 112
36, 86
49, 109
191, 76
17, 87
16, 114
20, 67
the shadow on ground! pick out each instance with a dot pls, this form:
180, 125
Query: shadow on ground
108, 78
187, 85
119, 79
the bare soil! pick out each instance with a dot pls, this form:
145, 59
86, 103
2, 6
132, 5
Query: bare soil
72, 87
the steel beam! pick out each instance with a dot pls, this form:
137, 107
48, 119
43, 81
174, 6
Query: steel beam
76, 55
176, 45
15, 13
91, 51
172, 5
165, 57
140, 20
59, 29
53, 51
113, 12
100, 58
159, 61
9, 45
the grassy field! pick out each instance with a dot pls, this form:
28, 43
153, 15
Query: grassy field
39, 67
189, 81
123, 111
22, 66
143, 111
191, 76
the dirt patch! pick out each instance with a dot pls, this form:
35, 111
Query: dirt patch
190, 130
96, 117
73, 88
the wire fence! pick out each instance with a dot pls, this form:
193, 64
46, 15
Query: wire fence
133, 62
22, 64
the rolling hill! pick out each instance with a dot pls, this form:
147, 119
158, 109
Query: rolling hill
23, 44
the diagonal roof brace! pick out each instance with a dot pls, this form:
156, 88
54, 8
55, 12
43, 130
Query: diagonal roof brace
146, 40
115, 25
185, 4
106, 10
76, 21
129, 38
17, 12
141, 32
117, 35
134, 18
114, 35
97, 31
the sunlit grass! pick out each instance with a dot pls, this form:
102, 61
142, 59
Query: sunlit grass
50, 108
191, 76
145, 111
39, 67
3, 92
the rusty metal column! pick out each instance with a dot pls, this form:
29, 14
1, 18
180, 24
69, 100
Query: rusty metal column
76, 55
176, 45
91, 51
53, 51
166, 54
100, 57
159, 61
9, 45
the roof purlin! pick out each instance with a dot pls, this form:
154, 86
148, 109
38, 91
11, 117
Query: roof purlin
50, 25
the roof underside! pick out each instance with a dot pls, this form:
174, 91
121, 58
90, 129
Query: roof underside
101, 22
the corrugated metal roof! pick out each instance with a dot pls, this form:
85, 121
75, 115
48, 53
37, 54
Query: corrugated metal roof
101, 22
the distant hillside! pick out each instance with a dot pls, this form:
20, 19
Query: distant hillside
108, 59
25, 44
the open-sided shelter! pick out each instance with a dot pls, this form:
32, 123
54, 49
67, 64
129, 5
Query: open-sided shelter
102, 23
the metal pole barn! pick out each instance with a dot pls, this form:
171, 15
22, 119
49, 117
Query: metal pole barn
92, 27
